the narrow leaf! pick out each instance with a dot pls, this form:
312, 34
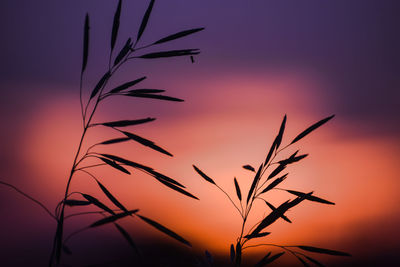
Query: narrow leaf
248, 167
202, 174
293, 159
115, 165
275, 183
273, 208
171, 53
165, 230
311, 128
232, 253
124, 123
280, 134
238, 193
146, 142
314, 261
127, 85
145, 91
261, 262
164, 177
272, 258
124, 51
323, 251
257, 235
74, 202
255, 181
310, 197
100, 84
111, 197
115, 27
176, 188
178, 35
113, 218
269, 155
145, 20
128, 162
85, 43
114, 141
127, 237
275, 172
161, 97
97, 203
302, 261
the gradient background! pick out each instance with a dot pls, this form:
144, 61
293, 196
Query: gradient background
259, 61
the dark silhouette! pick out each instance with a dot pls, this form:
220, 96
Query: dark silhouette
259, 188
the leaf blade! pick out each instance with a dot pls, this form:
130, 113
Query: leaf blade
311, 128
114, 165
165, 230
85, 43
115, 28
100, 84
145, 20
323, 251
111, 197
127, 85
238, 193
113, 218
202, 174
125, 123
178, 35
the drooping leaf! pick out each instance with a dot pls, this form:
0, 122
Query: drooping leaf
249, 167
302, 261
124, 51
127, 85
160, 97
176, 188
97, 203
280, 134
171, 53
238, 193
111, 197
275, 172
293, 159
311, 128
74, 202
261, 262
165, 230
127, 237
268, 259
274, 183
323, 251
164, 177
100, 84
202, 174
262, 234
146, 142
85, 43
276, 214
128, 162
273, 208
145, 20
232, 253
124, 123
113, 218
238, 259
145, 91
178, 35
310, 197
255, 181
114, 32
114, 141
115, 165
314, 261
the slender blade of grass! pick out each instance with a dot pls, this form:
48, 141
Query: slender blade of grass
178, 35
127, 237
145, 20
115, 27
146, 95
280, 134
238, 193
147, 143
202, 174
171, 53
255, 180
249, 167
123, 52
111, 197
115, 141
145, 91
176, 188
314, 261
257, 235
115, 165
85, 43
125, 123
310, 197
97, 203
268, 259
274, 183
275, 172
100, 84
164, 230
323, 251
74, 202
127, 85
113, 218
311, 128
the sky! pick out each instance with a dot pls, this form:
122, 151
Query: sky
259, 61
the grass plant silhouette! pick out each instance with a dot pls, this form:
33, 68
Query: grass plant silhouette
129, 51
267, 177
